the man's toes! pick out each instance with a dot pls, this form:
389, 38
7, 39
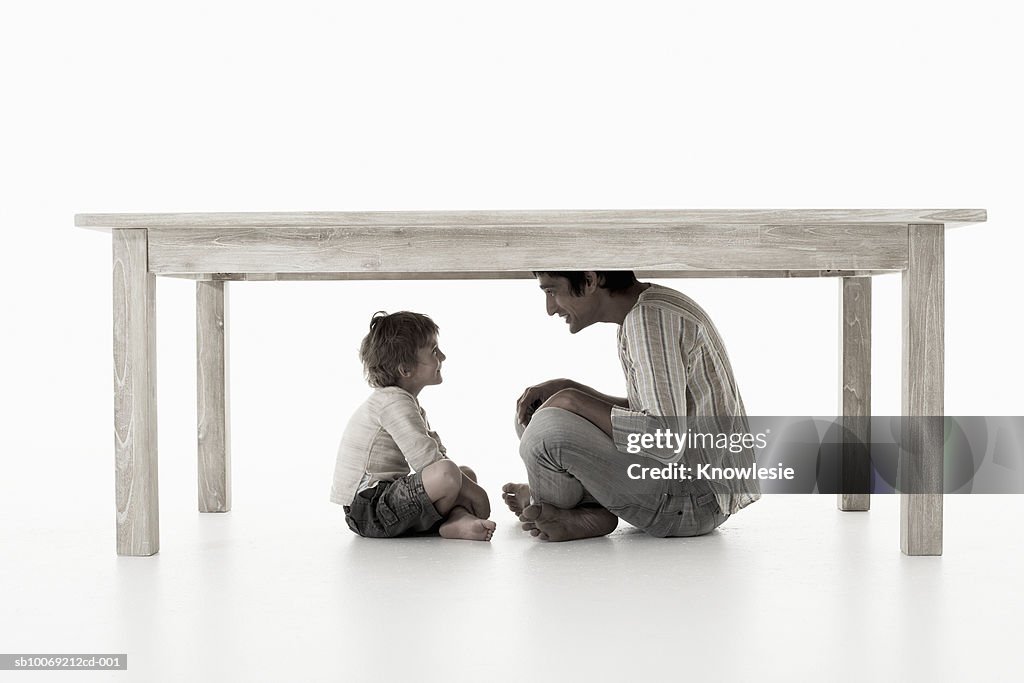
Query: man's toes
528, 526
530, 513
538, 532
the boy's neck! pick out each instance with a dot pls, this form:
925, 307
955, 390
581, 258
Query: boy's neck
412, 389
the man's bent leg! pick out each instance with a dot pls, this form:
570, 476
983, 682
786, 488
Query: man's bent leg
540, 447
567, 458
517, 496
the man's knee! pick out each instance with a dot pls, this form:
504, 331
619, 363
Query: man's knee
546, 433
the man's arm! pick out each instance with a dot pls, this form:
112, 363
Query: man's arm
538, 394
620, 401
658, 364
590, 407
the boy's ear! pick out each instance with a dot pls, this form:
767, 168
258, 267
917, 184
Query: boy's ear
403, 371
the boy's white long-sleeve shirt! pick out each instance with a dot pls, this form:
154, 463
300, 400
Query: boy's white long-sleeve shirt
386, 438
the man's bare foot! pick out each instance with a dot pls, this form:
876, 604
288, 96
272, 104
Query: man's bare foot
461, 524
550, 523
516, 497
474, 499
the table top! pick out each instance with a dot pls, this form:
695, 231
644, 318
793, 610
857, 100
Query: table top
561, 217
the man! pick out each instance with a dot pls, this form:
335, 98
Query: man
576, 442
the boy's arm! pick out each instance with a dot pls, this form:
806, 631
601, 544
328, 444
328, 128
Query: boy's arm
402, 420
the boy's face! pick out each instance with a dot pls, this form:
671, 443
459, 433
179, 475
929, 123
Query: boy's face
427, 370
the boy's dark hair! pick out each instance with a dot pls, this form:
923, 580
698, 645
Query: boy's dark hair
392, 342
612, 280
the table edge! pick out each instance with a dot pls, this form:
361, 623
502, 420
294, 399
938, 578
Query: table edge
498, 218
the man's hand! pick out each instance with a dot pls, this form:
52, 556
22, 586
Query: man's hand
536, 395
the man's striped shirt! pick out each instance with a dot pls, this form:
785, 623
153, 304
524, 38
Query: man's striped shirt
676, 366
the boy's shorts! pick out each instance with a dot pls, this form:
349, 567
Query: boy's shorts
393, 508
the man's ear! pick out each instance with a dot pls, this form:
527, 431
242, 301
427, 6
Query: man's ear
590, 281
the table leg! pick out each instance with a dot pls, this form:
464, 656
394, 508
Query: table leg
855, 392
921, 454
135, 458
214, 436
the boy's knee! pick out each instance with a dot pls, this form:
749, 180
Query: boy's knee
445, 477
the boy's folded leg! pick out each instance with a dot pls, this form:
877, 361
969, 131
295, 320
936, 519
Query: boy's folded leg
473, 497
462, 524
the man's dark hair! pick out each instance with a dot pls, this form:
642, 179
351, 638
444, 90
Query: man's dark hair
612, 280
392, 342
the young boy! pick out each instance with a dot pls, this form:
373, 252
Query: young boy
389, 434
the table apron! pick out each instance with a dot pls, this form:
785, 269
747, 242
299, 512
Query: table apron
509, 251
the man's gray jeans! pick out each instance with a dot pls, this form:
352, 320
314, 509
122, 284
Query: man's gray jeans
570, 462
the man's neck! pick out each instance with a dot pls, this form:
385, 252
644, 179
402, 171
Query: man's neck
621, 303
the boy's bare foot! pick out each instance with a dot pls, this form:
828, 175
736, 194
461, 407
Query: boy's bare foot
461, 524
474, 499
555, 524
516, 497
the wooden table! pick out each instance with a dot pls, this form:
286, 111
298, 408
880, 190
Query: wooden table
213, 248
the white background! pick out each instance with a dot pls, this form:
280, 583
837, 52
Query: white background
202, 106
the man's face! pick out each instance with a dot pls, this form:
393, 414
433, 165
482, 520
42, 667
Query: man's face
578, 312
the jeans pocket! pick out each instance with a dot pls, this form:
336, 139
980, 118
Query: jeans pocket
385, 514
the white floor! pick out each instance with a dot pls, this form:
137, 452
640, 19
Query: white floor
790, 588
